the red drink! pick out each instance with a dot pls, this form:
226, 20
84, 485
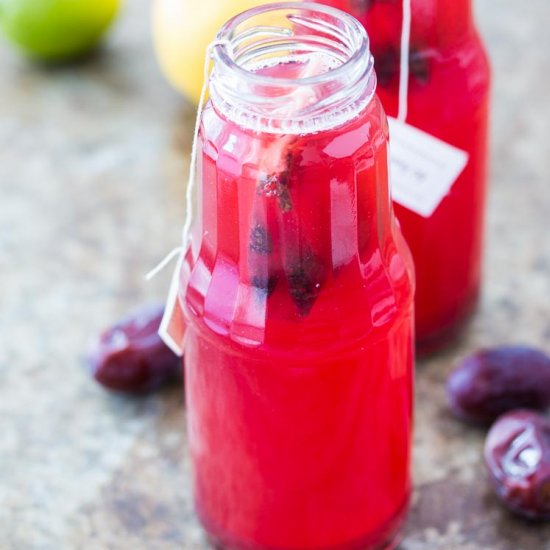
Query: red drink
298, 294
449, 99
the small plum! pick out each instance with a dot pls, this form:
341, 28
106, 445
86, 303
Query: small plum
493, 381
131, 357
517, 454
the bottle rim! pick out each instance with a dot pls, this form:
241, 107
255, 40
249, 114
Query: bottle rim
222, 55
234, 83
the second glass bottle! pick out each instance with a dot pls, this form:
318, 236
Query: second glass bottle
449, 83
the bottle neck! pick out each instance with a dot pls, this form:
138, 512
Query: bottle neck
435, 24
292, 68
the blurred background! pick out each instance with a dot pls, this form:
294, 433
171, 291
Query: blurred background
93, 162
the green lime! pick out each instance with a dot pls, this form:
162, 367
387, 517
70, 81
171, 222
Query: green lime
56, 30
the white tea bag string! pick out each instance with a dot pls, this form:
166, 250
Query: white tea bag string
404, 62
180, 250
175, 252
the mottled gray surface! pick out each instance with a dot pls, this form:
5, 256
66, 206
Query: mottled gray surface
92, 166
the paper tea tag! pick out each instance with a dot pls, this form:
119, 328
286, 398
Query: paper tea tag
172, 326
423, 168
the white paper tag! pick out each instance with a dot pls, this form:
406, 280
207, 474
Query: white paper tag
172, 326
423, 168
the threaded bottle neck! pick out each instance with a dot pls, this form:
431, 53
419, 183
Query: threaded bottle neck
292, 68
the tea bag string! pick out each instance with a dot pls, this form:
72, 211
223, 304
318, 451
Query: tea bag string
404, 62
189, 210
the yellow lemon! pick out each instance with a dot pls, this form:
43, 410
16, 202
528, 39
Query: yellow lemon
182, 30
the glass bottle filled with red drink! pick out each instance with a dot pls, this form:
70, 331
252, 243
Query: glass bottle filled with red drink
449, 81
297, 292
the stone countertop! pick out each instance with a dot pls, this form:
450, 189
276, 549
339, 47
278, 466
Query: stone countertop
92, 168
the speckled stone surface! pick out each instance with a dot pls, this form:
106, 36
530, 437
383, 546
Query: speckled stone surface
92, 171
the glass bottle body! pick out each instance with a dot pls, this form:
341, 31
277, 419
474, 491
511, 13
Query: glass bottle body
298, 297
448, 98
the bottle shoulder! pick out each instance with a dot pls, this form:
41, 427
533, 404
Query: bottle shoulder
293, 245
357, 302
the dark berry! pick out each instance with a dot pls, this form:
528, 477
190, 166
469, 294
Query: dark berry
264, 285
131, 357
493, 381
260, 241
419, 66
517, 454
305, 278
276, 185
387, 65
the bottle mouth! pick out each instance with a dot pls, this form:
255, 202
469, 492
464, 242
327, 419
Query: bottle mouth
292, 67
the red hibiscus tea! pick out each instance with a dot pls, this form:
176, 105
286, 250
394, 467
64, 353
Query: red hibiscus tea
297, 291
448, 98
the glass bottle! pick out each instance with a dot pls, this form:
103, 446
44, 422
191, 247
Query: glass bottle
448, 98
297, 292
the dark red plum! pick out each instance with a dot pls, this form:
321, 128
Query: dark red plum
494, 381
130, 356
517, 454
